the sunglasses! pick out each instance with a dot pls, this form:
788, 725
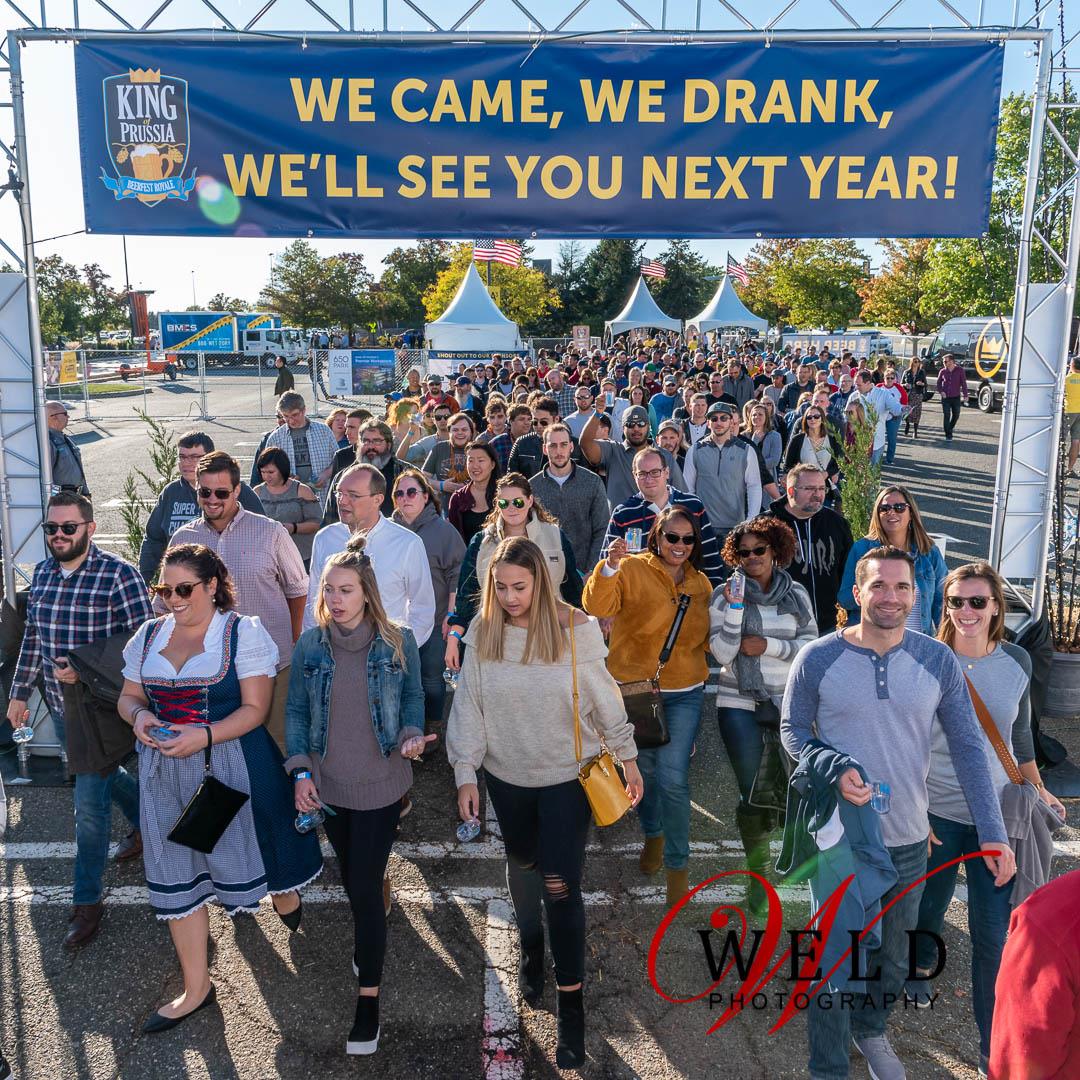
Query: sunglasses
978, 603
636, 423
442, 416
717, 417
813, 416
517, 503
745, 553
896, 508
679, 538
406, 493
218, 493
68, 528
183, 590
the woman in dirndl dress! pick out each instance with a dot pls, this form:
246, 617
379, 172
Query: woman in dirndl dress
206, 673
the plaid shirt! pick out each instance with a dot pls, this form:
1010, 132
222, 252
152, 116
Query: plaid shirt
565, 398
105, 596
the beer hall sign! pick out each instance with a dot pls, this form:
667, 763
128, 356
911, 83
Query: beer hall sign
146, 133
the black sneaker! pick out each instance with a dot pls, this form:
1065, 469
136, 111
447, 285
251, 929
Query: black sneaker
364, 1037
5, 1069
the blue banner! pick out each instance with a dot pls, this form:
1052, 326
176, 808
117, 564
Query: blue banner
361, 371
572, 139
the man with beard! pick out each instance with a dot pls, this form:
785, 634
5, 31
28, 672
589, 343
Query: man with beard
822, 540
865, 702
573, 495
178, 502
397, 554
267, 570
80, 594
617, 458
375, 445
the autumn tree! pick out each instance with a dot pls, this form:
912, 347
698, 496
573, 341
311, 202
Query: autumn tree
525, 295
894, 297
818, 282
762, 263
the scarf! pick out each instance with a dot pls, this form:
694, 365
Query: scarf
783, 596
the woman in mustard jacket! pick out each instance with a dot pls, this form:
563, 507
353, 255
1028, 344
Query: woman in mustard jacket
641, 594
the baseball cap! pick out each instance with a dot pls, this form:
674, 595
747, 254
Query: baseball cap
434, 380
504, 374
669, 380
636, 413
462, 381
721, 407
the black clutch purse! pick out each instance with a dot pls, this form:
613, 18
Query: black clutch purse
642, 700
209, 814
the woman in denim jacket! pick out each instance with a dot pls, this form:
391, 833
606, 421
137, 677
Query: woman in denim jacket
353, 722
895, 522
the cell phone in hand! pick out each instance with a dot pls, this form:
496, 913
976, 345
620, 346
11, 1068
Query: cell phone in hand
163, 734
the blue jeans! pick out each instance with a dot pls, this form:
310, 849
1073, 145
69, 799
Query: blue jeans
94, 796
742, 741
892, 429
877, 455
832, 1029
988, 912
665, 806
432, 665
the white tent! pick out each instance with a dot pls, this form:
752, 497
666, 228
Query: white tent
472, 322
726, 311
641, 311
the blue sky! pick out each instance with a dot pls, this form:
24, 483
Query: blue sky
241, 266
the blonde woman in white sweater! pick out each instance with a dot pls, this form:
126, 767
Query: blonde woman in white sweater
520, 657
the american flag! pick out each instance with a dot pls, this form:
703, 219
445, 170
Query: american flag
504, 251
654, 269
737, 271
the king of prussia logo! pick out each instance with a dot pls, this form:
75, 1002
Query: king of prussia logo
146, 132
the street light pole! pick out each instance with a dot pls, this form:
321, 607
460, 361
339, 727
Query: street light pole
194, 302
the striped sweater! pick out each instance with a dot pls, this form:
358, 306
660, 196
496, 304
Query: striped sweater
783, 636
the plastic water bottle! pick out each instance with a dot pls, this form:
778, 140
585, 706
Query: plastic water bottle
22, 734
307, 820
737, 588
880, 797
451, 678
468, 831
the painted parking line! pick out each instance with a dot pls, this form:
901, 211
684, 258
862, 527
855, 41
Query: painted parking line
500, 1051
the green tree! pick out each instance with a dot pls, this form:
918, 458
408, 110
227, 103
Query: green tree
525, 295
894, 297
689, 284
818, 282
608, 274
103, 307
346, 299
295, 291
762, 263
61, 296
409, 273
567, 282
223, 302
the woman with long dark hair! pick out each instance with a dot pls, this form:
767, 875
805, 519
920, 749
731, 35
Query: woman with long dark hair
198, 683
525, 642
999, 673
756, 640
469, 506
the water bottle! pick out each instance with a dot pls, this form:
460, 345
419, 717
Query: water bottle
307, 820
451, 677
737, 587
22, 734
880, 797
468, 831
633, 539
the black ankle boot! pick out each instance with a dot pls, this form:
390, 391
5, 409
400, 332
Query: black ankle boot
570, 1051
531, 976
364, 1037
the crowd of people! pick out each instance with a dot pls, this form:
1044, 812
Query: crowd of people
598, 525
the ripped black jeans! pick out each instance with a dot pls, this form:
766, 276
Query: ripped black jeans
544, 830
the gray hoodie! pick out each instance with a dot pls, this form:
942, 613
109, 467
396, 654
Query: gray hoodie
445, 551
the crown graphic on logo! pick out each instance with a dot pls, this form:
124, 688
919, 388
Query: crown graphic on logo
147, 76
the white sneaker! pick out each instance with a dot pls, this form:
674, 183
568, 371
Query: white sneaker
881, 1059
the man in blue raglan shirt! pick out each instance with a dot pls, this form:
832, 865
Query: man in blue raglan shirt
874, 691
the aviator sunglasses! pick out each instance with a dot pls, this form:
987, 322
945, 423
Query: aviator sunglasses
517, 503
218, 493
183, 590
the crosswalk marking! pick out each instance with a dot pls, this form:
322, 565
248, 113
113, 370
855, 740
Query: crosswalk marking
500, 1053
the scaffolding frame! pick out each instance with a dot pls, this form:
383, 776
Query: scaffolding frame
715, 21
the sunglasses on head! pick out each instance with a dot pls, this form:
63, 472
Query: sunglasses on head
679, 538
406, 493
978, 603
218, 493
517, 503
68, 528
183, 590
745, 553
896, 507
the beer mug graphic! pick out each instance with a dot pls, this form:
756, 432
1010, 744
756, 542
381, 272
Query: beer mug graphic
149, 163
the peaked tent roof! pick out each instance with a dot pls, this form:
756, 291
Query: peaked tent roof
726, 309
641, 310
472, 321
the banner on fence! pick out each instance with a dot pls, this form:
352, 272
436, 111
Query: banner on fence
733, 140
353, 372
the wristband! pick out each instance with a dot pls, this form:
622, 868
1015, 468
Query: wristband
457, 634
135, 714
301, 774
